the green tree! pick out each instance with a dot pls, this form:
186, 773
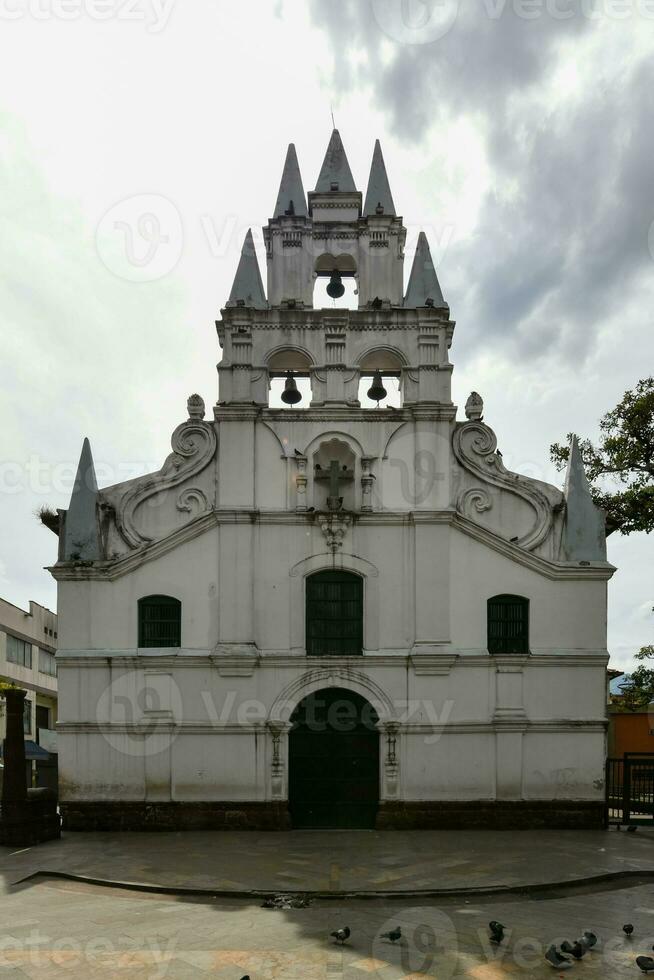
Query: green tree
638, 688
620, 468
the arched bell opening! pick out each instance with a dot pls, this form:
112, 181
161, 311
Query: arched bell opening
336, 282
380, 379
333, 761
289, 371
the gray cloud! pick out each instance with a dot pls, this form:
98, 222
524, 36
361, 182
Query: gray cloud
549, 263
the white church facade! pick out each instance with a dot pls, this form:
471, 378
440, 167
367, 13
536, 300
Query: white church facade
329, 613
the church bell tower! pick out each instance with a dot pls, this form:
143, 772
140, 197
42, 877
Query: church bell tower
392, 336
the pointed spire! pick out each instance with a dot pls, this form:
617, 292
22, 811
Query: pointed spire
423, 288
248, 287
584, 537
81, 538
379, 190
335, 168
291, 197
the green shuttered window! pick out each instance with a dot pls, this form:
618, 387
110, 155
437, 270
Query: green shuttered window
160, 621
508, 624
334, 615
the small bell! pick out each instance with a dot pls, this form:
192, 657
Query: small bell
335, 289
376, 391
290, 394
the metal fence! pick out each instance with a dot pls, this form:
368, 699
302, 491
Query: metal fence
630, 789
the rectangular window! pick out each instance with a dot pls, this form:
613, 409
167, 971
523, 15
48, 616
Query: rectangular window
160, 621
42, 717
508, 624
19, 651
27, 717
47, 663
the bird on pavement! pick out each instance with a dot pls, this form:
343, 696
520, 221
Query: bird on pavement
340, 935
393, 935
628, 929
646, 963
589, 939
575, 949
556, 960
496, 932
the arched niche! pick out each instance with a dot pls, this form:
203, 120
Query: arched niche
325, 454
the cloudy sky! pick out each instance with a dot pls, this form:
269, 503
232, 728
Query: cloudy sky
517, 133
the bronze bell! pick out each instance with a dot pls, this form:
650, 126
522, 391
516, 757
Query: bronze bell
335, 288
290, 394
376, 391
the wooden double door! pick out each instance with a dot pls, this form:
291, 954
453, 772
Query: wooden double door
334, 761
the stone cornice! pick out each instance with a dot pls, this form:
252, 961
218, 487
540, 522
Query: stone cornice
421, 663
111, 570
152, 726
436, 412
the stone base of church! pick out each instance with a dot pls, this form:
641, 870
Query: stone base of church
492, 815
114, 815
400, 815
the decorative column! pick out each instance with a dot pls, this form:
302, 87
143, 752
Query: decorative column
301, 484
28, 816
278, 776
510, 721
14, 785
391, 765
367, 480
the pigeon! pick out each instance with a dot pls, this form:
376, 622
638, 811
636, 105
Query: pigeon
646, 963
341, 934
393, 935
298, 453
589, 939
557, 961
628, 929
575, 949
496, 932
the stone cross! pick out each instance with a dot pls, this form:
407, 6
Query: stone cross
335, 475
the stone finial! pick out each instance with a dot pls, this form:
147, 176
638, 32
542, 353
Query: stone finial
81, 534
424, 288
379, 199
335, 173
247, 289
584, 536
291, 198
474, 407
195, 407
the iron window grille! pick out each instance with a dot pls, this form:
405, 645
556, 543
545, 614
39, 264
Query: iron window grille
508, 624
160, 621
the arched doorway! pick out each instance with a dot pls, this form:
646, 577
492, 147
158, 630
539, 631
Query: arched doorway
333, 759
334, 614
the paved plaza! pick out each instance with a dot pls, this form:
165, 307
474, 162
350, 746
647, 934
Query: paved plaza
65, 929
58, 928
334, 862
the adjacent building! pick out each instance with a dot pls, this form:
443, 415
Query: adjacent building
337, 611
28, 643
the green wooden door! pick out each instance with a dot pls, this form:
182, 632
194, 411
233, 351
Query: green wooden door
333, 752
334, 615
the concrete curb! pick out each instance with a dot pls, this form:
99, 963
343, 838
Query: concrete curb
482, 891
